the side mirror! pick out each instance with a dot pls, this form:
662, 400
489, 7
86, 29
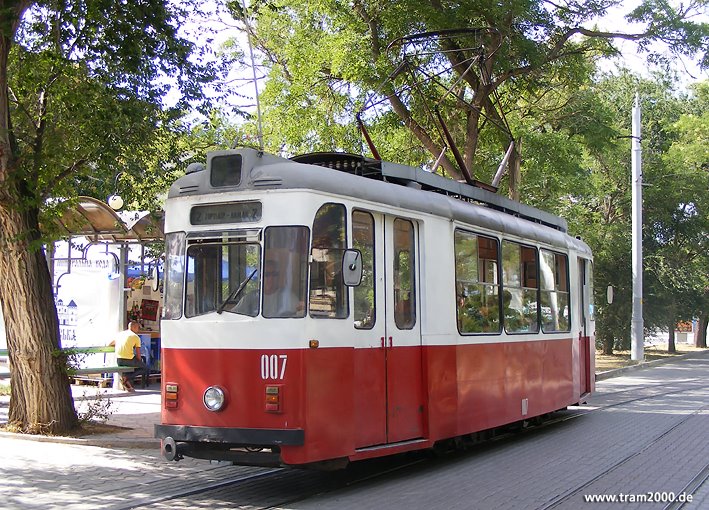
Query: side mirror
609, 294
352, 268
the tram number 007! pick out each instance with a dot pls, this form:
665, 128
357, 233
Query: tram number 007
273, 366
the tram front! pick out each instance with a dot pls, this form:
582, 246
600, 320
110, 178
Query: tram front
239, 364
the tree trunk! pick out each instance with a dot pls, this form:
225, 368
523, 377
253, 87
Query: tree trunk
608, 342
40, 398
420, 133
671, 349
700, 335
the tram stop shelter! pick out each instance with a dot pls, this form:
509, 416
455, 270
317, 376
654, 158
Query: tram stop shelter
120, 236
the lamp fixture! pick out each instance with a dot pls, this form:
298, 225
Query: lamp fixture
115, 201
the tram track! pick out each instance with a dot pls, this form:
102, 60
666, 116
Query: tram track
692, 487
291, 486
579, 488
284, 486
177, 494
629, 401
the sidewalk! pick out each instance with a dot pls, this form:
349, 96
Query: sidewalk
135, 413
639, 365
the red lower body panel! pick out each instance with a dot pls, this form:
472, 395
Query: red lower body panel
347, 400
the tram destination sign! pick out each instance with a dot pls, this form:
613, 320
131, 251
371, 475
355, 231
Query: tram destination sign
213, 214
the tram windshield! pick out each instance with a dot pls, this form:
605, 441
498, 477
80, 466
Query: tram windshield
234, 277
216, 271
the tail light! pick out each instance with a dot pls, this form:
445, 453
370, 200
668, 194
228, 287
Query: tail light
274, 399
171, 395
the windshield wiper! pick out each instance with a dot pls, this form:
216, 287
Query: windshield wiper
235, 293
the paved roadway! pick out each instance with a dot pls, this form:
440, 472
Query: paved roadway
645, 434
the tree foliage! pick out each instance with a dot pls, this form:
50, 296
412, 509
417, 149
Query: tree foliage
677, 205
82, 94
674, 205
328, 59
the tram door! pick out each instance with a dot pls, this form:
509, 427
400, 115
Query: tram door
584, 340
402, 350
388, 374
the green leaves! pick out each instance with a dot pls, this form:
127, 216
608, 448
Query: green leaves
328, 59
88, 84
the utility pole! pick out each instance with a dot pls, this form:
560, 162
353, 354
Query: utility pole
636, 327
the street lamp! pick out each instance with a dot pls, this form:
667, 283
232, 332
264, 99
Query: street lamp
115, 201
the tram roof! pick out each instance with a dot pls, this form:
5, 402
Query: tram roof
411, 176
261, 171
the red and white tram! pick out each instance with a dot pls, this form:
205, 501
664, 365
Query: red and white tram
333, 308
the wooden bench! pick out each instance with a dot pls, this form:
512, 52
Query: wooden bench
80, 375
105, 378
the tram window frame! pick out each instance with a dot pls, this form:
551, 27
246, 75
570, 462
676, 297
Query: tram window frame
298, 270
365, 317
326, 275
174, 275
404, 309
524, 284
221, 176
589, 299
553, 285
477, 318
215, 281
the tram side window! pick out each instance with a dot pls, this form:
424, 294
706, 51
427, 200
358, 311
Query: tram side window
404, 275
477, 288
328, 293
554, 291
520, 288
285, 271
364, 300
174, 274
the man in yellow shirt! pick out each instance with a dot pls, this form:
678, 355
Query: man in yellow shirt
127, 344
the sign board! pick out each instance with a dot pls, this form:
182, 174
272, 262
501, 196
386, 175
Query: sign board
684, 327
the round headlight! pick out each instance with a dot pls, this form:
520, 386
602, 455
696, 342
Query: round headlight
214, 398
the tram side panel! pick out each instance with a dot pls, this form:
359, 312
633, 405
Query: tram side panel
499, 383
327, 403
476, 382
438, 330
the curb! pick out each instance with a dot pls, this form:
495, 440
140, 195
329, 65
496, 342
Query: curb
131, 440
108, 442
647, 364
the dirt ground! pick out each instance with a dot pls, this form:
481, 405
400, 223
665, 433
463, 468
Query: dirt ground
621, 359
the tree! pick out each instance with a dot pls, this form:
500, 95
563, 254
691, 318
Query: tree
81, 89
678, 206
328, 59
674, 205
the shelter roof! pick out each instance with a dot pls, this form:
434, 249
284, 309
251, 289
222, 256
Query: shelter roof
94, 219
